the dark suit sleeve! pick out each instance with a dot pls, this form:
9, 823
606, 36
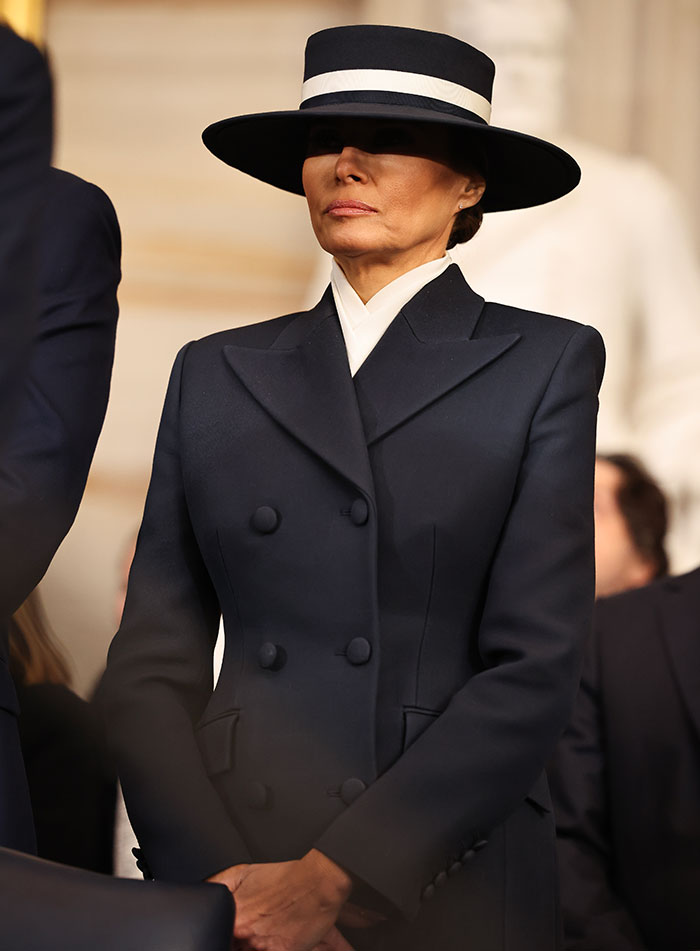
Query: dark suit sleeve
63, 399
479, 759
595, 919
159, 678
25, 153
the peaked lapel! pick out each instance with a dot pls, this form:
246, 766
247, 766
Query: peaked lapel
679, 613
426, 351
303, 381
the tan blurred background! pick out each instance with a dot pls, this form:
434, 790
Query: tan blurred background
206, 248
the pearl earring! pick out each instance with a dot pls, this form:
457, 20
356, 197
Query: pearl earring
460, 206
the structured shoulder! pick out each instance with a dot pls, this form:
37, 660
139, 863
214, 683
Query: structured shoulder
544, 338
502, 318
260, 335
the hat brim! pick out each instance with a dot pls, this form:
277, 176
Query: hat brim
521, 170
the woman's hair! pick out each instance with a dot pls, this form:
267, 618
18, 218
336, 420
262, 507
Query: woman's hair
644, 508
466, 225
35, 657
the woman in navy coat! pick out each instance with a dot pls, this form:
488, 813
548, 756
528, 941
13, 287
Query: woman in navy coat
389, 499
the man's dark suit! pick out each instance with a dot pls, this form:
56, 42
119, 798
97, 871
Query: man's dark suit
58, 416
404, 565
626, 779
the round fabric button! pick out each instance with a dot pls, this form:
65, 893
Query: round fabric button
454, 868
359, 650
351, 789
359, 512
440, 879
428, 892
270, 656
265, 519
259, 795
466, 856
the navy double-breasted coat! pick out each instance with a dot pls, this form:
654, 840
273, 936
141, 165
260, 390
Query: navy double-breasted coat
404, 565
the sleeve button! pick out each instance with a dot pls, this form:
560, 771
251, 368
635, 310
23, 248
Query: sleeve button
259, 795
350, 789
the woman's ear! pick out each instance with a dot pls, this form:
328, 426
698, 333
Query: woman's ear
474, 188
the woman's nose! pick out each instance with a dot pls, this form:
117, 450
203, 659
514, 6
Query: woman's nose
351, 164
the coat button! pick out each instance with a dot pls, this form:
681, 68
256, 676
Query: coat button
259, 796
265, 520
428, 892
351, 789
359, 512
440, 879
270, 656
359, 650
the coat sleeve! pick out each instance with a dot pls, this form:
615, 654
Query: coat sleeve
25, 154
63, 398
479, 759
593, 914
159, 678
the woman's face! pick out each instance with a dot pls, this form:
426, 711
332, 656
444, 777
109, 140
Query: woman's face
383, 189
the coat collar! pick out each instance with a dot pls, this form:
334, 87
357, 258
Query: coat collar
303, 380
429, 349
678, 603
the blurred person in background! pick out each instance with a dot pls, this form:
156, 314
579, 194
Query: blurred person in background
626, 774
630, 525
390, 499
71, 782
58, 412
626, 777
25, 153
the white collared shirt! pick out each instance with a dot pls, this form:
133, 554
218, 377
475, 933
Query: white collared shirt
364, 324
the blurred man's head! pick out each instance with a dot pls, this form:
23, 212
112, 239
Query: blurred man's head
630, 525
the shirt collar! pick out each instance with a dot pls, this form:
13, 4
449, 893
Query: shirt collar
364, 324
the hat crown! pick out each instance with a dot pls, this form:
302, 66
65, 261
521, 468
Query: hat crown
357, 61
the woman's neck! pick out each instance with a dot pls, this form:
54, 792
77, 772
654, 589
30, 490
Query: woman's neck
368, 277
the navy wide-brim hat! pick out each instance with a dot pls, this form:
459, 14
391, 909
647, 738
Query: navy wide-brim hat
394, 73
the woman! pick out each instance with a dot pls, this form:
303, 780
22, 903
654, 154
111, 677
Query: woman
71, 784
400, 542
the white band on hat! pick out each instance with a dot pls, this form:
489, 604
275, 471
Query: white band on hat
392, 80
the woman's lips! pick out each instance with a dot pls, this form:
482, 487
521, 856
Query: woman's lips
347, 207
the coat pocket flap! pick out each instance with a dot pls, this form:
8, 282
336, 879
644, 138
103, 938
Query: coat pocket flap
539, 795
415, 721
216, 739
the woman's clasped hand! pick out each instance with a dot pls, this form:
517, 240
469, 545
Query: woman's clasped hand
292, 906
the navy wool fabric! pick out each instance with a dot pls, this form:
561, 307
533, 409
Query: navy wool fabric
404, 564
